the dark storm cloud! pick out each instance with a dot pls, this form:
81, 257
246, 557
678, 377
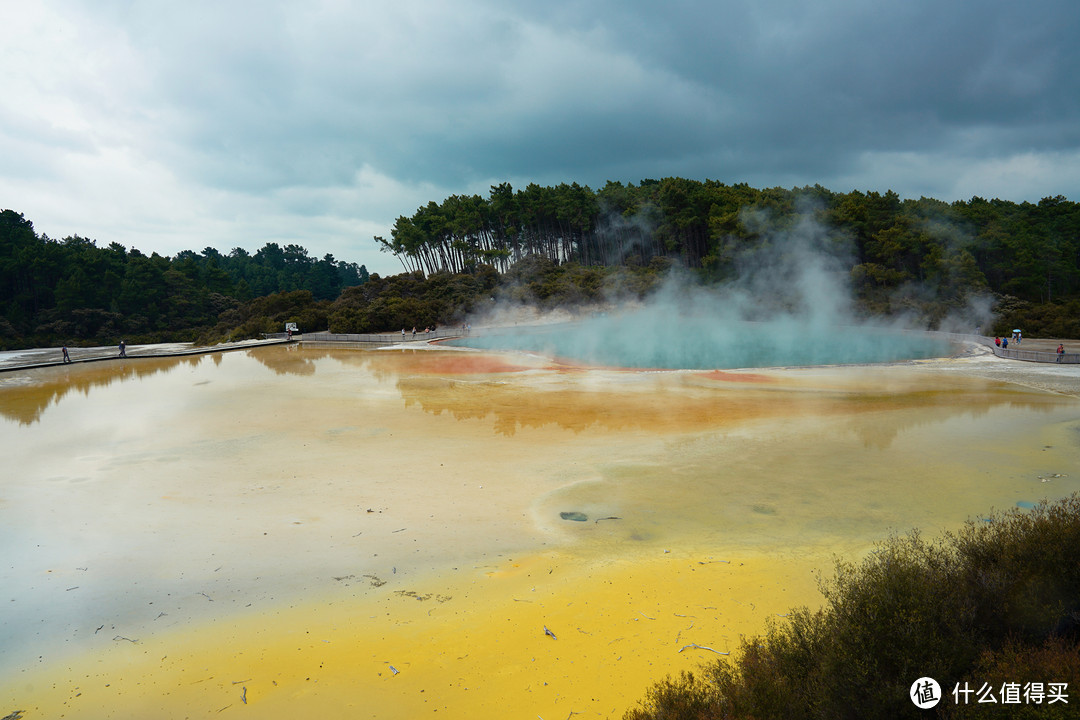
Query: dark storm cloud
238, 123
807, 88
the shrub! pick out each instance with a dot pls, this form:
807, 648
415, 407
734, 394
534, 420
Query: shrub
998, 600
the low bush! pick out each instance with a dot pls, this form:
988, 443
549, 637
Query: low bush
997, 601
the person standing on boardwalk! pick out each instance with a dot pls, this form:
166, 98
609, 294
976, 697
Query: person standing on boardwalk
1060, 351
67, 358
1004, 343
123, 349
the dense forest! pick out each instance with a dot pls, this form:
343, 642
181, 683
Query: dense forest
922, 258
556, 245
72, 291
1031, 251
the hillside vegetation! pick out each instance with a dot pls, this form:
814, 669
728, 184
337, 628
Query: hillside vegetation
553, 246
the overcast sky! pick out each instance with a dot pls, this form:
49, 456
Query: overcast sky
169, 126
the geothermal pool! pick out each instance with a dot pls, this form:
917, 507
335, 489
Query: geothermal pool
295, 531
654, 338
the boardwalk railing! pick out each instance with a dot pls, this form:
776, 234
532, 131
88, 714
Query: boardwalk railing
370, 338
1014, 353
1037, 356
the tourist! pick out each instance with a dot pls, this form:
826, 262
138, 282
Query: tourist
997, 341
1004, 343
1061, 352
123, 349
67, 358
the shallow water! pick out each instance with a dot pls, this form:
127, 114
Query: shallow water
658, 338
161, 517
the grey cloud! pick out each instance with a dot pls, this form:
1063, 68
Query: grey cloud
282, 104
423, 92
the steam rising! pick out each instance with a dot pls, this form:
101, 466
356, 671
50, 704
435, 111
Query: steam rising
790, 304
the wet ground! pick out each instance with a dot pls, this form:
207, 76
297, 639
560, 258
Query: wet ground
356, 533
47, 357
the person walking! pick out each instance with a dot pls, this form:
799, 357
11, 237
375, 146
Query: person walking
123, 349
67, 358
1060, 351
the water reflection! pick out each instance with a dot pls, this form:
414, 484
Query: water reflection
27, 394
234, 483
682, 403
293, 361
518, 392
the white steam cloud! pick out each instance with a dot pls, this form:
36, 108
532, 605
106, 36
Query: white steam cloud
790, 303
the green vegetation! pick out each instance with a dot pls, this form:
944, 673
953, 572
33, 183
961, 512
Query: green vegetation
410, 300
73, 292
267, 315
554, 246
996, 602
921, 257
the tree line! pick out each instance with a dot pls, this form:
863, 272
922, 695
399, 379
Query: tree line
566, 244
1030, 251
72, 291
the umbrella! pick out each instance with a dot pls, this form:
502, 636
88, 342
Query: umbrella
1016, 330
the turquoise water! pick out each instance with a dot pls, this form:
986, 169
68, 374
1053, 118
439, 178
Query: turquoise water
650, 340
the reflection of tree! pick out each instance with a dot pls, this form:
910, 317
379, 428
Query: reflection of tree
925, 407
679, 407
390, 364
516, 406
291, 360
26, 403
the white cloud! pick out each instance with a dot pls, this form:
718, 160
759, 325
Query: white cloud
169, 127
1021, 176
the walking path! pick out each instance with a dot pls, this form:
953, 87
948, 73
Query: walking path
391, 338
50, 357
1041, 350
